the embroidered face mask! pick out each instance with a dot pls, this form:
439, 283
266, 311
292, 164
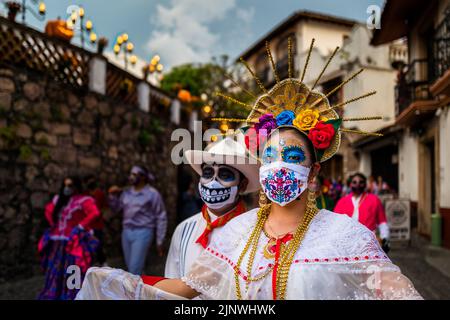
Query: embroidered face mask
216, 196
283, 182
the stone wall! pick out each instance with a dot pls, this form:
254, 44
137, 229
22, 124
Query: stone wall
49, 130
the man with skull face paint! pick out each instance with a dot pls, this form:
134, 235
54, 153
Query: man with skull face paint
222, 180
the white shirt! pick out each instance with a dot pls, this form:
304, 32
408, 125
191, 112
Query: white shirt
383, 228
356, 201
183, 250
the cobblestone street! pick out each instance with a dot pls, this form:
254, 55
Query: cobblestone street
427, 267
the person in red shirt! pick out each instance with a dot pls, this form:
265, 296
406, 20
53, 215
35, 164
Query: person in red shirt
365, 207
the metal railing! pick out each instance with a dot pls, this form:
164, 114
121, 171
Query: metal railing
413, 85
441, 48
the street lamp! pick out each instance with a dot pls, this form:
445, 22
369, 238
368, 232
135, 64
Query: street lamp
85, 27
41, 10
122, 41
154, 66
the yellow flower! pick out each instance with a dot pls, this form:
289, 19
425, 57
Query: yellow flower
306, 119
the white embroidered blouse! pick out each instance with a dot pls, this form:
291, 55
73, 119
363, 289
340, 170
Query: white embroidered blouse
338, 259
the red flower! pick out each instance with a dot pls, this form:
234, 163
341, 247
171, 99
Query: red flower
321, 135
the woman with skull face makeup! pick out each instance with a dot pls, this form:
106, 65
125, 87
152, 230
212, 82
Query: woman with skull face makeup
338, 257
287, 248
69, 240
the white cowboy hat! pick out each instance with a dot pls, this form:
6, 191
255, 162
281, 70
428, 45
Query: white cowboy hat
230, 152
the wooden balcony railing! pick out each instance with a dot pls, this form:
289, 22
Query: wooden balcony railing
59, 60
121, 85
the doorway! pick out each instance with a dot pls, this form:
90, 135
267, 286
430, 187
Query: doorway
427, 185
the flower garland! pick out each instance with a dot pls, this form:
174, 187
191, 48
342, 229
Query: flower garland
319, 130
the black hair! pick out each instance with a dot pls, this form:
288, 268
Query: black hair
87, 182
63, 199
358, 174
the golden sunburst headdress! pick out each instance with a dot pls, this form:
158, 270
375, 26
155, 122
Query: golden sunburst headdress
291, 103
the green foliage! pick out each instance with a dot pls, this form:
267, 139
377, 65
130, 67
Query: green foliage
155, 126
45, 154
208, 79
25, 152
145, 138
8, 134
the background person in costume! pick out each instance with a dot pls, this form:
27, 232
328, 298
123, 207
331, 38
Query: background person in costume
69, 240
144, 214
322, 187
222, 181
93, 190
366, 208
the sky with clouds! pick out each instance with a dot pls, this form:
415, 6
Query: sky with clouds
183, 31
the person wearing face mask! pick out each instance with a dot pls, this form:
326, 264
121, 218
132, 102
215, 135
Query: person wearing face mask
144, 215
69, 240
366, 208
287, 248
222, 180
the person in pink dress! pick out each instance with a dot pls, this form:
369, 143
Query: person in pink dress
365, 207
69, 241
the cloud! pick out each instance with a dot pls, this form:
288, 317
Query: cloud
182, 30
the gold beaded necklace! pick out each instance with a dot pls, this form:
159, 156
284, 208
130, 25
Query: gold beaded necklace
286, 256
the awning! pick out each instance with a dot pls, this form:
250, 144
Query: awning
395, 17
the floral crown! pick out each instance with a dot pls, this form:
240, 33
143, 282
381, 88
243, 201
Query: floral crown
291, 103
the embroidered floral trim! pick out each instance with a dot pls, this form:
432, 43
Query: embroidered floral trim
340, 260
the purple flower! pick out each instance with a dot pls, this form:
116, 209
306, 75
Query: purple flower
266, 122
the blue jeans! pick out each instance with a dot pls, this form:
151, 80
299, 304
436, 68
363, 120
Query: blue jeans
135, 245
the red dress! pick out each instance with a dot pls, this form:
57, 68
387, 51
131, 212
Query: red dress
80, 210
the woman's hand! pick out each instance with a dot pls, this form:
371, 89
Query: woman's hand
114, 190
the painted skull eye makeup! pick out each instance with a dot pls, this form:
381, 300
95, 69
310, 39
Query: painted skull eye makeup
293, 154
290, 154
224, 174
208, 172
